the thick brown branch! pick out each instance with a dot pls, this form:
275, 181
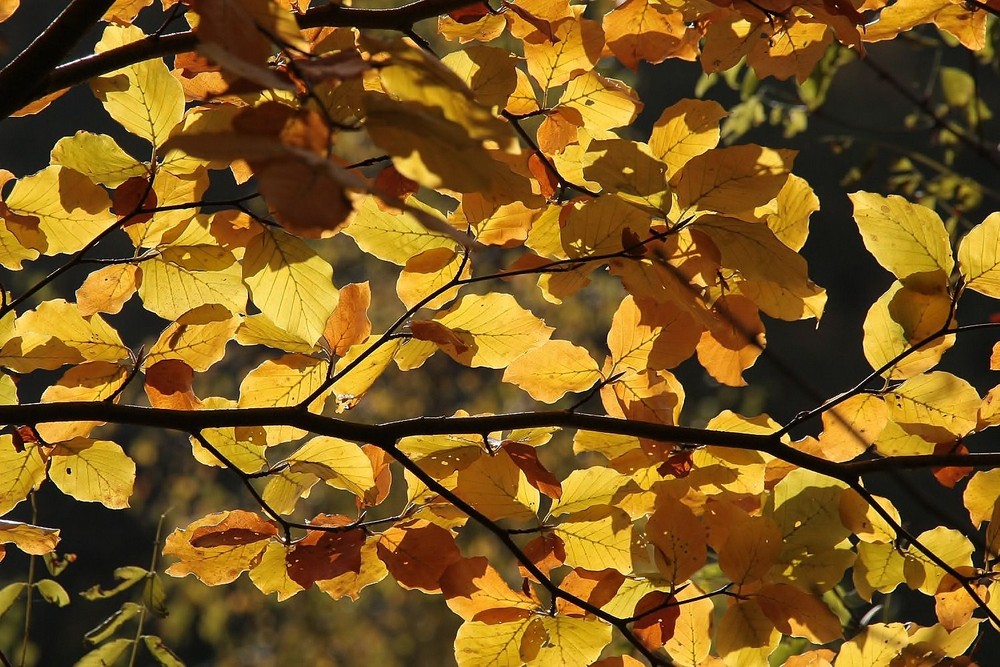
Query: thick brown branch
23, 79
155, 46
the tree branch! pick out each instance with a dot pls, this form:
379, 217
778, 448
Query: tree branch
23, 79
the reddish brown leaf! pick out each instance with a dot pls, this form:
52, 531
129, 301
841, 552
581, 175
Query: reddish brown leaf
546, 551
389, 181
525, 457
470, 14
677, 465
168, 385
656, 621
238, 528
417, 554
597, 588
322, 555
543, 173
382, 473
132, 195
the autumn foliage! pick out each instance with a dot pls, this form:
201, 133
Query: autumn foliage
490, 160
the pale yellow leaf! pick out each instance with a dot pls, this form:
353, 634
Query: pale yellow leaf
908, 240
71, 210
30, 539
145, 98
283, 382
98, 157
392, 235
339, 463
290, 283
198, 338
20, 472
182, 278
979, 257
901, 318
93, 471
601, 103
597, 539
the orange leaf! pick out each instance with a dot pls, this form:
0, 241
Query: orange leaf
168, 385
658, 614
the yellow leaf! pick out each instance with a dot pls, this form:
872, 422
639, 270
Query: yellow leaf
692, 639
123, 12
502, 225
949, 545
91, 381
806, 507
392, 235
30, 539
489, 72
182, 278
731, 180
106, 290
198, 338
494, 644
243, 447
628, 169
570, 641
493, 330
20, 472
93, 471
790, 219
260, 330
876, 646
70, 209
908, 240
55, 334
586, 488
284, 382
365, 366
685, 130
644, 395
598, 538
601, 103
430, 271
596, 227
212, 565
290, 283
979, 257
572, 47
498, 488
171, 190
437, 152
552, 369
270, 574
879, 567
981, 495
860, 517
339, 463
98, 157
898, 320
938, 406
792, 50
143, 97
852, 426
778, 280
745, 635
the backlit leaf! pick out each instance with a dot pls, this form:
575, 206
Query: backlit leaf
909, 240
93, 471
979, 258
144, 97
549, 371
290, 283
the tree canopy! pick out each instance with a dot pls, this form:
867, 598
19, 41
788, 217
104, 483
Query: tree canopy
412, 292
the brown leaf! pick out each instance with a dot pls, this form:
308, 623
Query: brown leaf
322, 555
168, 385
238, 528
656, 623
525, 457
417, 554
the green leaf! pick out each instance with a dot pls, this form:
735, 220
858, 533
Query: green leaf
106, 654
110, 625
52, 592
